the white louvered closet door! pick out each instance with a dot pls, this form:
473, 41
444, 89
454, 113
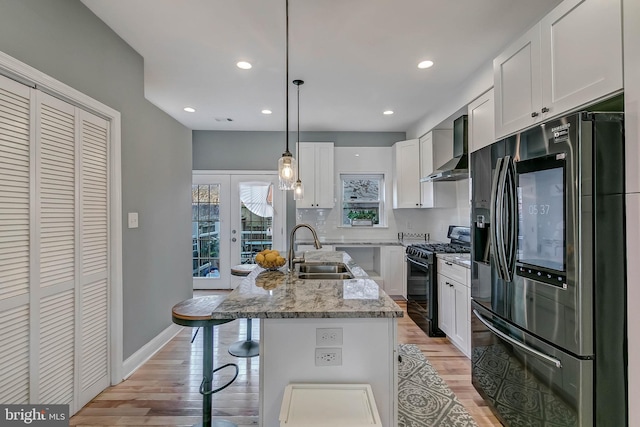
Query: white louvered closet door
56, 260
54, 250
15, 172
94, 256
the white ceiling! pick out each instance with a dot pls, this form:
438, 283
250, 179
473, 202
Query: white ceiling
357, 57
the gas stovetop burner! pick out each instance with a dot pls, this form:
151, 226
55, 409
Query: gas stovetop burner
425, 250
460, 244
443, 247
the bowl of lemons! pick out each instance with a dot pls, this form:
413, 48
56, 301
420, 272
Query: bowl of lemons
270, 259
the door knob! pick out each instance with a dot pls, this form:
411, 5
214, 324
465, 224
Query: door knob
234, 239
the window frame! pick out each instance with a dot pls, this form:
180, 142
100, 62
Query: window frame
381, 202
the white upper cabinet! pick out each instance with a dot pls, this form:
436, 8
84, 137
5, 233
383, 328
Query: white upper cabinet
406, 176
414, 159
316, 173
516, 76
436, 148
582, 44
481, 114
571, 58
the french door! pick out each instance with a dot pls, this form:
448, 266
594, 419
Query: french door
234, 216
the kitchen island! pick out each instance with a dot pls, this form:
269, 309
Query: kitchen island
320, 331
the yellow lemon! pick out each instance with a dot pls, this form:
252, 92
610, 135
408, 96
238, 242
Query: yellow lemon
273, 251
259, 258
270, 257
280, 260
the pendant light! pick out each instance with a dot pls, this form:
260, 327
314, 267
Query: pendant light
287, 164
298, 189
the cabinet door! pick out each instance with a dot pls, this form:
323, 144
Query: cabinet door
407, 174
581, 53
460, 322
435, 146
307, 173
481, 114
324, 176
315, 168
518, 93
444, 304
394, 270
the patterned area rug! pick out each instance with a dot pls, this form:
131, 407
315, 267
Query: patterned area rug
424, 399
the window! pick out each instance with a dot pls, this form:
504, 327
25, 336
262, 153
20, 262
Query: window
362, 199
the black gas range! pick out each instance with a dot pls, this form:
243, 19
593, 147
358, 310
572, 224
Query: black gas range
422, 291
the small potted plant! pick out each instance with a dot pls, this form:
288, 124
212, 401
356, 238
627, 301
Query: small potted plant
362, 217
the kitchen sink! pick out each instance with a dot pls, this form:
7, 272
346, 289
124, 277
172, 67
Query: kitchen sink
326, 271
323, 268
325, 276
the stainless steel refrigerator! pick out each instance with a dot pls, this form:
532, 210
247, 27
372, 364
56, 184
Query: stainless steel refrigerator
548, 274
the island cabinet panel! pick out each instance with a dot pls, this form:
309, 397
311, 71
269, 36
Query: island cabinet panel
288, 355
570, 59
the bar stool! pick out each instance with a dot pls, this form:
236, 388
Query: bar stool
247, 347
197, 312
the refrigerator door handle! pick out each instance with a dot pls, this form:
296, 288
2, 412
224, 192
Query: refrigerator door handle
539, 354
512, 218
497, 216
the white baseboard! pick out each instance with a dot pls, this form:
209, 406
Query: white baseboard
138, 358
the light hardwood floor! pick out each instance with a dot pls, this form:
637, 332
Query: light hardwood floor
164, 391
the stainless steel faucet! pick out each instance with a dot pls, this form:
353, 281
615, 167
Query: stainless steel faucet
291, 257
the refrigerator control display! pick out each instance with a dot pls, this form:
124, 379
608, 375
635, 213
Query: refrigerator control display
541, 225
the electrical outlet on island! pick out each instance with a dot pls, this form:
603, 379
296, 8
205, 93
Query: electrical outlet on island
328, 336
328, 356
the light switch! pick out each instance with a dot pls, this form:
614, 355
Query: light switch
133, 219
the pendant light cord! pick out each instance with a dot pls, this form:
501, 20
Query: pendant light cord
286, 131
298, 138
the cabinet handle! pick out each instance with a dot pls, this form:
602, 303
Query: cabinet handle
448, 263
448, 284
534, 114
545, 109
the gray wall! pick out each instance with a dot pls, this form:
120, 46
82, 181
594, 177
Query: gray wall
235, 150
63, 39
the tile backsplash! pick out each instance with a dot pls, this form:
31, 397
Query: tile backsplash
433, 221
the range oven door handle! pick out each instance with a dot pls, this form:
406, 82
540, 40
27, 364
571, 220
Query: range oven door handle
413, 261
539, 354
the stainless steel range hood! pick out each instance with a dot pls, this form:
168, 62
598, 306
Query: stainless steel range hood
456, 168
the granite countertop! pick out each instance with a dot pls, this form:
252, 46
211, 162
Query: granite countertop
344, 243
277, 294
463, 260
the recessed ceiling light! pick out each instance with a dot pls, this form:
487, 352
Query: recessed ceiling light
189, 109
357, 155
387, 113
266, 111
425, 64
244, 65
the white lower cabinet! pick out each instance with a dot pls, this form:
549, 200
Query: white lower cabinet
394, 272
454, 304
